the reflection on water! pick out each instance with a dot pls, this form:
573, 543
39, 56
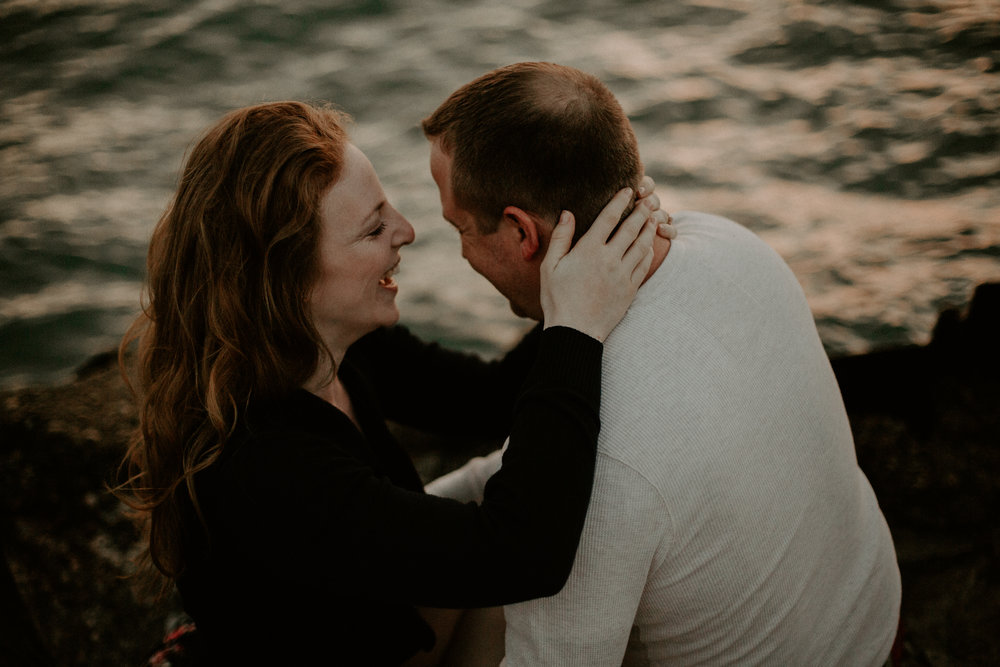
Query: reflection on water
859, 139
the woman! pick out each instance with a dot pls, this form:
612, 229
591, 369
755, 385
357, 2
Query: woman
294, 526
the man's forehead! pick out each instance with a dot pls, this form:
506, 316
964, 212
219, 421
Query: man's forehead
461, 220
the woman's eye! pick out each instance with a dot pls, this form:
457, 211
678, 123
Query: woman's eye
378, 230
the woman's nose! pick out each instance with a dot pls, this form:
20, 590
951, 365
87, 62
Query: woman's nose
404, 233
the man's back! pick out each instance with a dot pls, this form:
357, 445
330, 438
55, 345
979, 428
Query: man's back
729, 520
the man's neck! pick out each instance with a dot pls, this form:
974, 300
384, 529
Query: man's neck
661, 247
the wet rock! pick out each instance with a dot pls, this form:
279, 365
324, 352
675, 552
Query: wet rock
926, 427
67, 541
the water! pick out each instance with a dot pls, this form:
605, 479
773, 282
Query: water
860, 139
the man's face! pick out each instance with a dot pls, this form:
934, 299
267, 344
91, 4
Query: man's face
496, 256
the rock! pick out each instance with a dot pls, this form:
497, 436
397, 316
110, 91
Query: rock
67, 540
926, 424
925, 421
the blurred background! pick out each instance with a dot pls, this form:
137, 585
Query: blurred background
860, 139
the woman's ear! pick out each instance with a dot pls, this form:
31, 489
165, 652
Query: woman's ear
526, 226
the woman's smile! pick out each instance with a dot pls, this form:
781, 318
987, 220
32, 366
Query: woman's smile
388, 281
360, 239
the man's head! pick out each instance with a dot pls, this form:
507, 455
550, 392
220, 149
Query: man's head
512, 149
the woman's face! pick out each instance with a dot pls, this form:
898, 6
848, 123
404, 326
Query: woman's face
360, 238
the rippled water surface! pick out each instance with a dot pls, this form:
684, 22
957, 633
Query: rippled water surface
860, 139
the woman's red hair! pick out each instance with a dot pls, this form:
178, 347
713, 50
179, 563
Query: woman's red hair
230, 266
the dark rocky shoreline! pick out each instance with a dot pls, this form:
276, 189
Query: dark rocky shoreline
926, 421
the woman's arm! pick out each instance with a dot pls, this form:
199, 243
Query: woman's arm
321, 515
430, 387
521, 541
427, 386
305, 502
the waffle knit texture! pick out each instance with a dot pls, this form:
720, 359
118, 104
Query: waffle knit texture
729, 520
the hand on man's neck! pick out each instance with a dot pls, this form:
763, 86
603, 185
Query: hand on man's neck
661, 247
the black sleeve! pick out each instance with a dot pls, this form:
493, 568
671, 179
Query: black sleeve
329, 520
424, 385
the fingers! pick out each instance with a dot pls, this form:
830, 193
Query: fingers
646, 185
652, 201
640, 254
666, 230
608, 218
630, 228
559, 243
646, 194
661, 217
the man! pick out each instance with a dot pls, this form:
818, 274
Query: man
729, 522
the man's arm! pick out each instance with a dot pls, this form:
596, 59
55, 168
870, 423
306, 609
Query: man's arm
589, 621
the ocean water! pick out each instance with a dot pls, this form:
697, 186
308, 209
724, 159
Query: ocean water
860, 139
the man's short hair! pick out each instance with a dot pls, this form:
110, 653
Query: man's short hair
540, 136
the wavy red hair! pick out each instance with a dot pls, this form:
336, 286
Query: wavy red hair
226, 318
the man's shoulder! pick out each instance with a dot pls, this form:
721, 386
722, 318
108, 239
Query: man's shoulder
727, 259
707, 249
699, 224
688, 216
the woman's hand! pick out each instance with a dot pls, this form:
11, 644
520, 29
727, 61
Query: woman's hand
662, 219
590, 288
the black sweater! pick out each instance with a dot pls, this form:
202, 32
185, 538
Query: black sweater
322, 540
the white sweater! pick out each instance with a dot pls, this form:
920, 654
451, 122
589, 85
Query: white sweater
729, 520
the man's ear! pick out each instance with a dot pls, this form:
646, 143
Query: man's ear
527, 227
